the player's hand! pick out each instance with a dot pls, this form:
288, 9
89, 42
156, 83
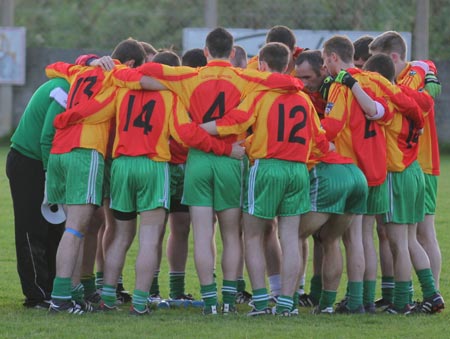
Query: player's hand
372, 118
332, 147
105, 62
45, 200
345, 78
325, 87
237, 150
432, 85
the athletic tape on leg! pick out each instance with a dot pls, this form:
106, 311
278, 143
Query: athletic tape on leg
75, 232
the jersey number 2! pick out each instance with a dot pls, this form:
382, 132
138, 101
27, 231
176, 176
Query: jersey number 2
293, 137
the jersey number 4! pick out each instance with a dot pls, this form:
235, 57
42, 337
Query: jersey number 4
217, 109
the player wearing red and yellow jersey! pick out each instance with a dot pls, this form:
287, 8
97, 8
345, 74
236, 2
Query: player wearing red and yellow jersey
285, 128
353, 134
362, 140
141, 151
212, 183
392, 44
407, 116
76, 160
90, 107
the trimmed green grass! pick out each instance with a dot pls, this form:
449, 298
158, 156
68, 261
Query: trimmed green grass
18, 322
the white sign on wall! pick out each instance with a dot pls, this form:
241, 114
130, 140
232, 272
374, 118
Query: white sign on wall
253, 39
12, 55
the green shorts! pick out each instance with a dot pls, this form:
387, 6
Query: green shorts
377, 199
214, 181
277, 188
139, 184
406, 196
338, 189
431, 187
75, 178
176, 188
107, 178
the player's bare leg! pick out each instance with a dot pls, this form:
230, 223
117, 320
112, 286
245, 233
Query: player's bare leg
291, 261
371, 262
355, 266
386, 266
426, 235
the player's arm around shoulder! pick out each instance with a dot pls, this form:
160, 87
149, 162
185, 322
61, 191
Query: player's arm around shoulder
62, 70
190, 134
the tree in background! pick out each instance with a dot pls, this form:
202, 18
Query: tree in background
99, 24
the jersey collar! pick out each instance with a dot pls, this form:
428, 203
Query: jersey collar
218, 62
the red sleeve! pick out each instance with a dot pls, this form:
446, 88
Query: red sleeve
194, 136
85, 59
238, 120
407, 107
422, 98
431, 65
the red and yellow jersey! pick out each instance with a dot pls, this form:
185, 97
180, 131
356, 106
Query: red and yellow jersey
90, 106
354, 136
210, 92
330, 157
318, 101
142, 123
428, 156
403, 131
146, 119
284, 123
412, 77
402, 134
178, 152
253, 62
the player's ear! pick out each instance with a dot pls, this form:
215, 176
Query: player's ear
233, 53
263, 66
334, 56
395, 57
206, 52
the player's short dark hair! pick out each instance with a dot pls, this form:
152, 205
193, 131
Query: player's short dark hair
383, 64
167, 57
312, 57
148, 48
219, 43
342, 46
389, 42
240, 57
361, 46
276, 55
194, 57
281, 34
129, 49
